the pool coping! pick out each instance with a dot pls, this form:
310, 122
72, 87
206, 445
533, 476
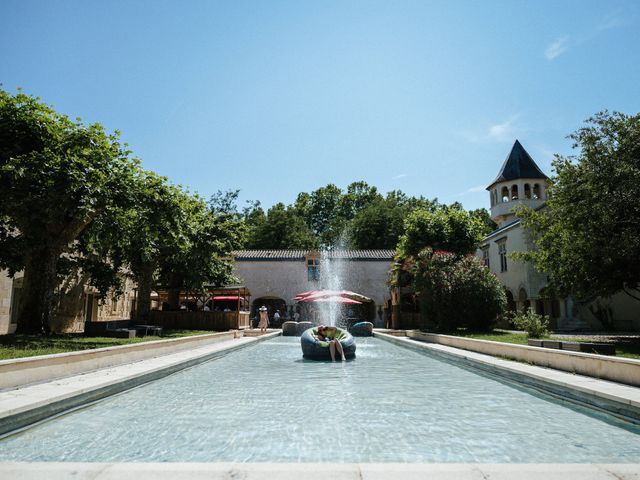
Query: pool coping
606, 367
310, 471
23, 371
316, 471
620, 400
24, 406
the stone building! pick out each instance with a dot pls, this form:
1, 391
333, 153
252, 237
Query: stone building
77, 304
521, 182
279, 275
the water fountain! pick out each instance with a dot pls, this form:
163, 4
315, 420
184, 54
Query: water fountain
332, 274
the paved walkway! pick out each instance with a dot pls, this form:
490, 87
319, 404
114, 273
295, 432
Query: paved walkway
24, 405
307, 471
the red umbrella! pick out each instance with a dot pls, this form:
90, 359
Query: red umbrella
317, 294
332, 298
314, 294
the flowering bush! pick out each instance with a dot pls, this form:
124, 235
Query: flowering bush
536, 326
456, 291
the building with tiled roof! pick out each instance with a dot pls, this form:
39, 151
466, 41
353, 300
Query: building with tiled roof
275, 277
520, 182
242, 255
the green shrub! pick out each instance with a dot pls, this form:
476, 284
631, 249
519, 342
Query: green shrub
536, 326
456, 291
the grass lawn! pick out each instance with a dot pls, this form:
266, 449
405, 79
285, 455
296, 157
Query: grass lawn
625, 347
16, 346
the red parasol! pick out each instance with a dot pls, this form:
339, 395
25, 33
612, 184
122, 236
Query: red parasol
332, 298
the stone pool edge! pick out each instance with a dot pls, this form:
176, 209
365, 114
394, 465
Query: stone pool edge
617, 399
313, 471
23, 407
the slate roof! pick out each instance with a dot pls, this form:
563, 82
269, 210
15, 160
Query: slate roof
518, 164
501, 229
301, 254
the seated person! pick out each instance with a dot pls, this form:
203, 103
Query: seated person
327, 334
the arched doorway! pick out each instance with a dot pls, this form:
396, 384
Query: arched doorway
523, 300
273, 304
511, 302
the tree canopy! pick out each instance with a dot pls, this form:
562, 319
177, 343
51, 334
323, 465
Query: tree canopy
443, 228
358, 217
588, 236
56, 176
74, 198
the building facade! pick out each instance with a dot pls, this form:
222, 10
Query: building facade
279, 275
76, 304
520, 182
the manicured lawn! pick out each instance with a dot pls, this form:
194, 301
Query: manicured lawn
16, 346
496, 336
625, 347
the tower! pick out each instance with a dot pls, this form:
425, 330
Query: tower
519, 182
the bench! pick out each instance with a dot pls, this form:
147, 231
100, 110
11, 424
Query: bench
584, 347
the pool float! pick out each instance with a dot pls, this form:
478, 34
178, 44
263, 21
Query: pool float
361, 329
315, 349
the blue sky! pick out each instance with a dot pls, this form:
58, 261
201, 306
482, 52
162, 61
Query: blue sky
278, 97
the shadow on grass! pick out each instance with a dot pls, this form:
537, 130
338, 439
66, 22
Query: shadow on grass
16, 346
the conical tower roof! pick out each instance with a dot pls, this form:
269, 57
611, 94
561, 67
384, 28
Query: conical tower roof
518, 164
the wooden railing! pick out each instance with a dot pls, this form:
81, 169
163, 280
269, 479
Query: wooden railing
201, 320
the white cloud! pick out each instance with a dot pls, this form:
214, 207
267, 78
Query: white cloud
506, 131
402, 175
479, 188
503, 131
557, 48
612, 20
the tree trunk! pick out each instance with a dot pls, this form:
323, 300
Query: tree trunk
174, 299
38, 287
175, 286
145, 284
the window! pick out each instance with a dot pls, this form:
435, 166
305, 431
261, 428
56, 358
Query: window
536, 191
514, 192
502, 251
485, 256
505, 194
527, 191
313, 269
114, 304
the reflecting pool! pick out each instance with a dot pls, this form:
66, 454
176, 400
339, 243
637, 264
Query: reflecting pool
266, 404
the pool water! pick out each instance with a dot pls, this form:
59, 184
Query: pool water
266, 404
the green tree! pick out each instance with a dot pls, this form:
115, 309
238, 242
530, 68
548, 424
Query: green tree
57, 176
359, 196
378, 225
445, 228
483, 215
456, 291
282, 228
202, 257
588, 236
323, 212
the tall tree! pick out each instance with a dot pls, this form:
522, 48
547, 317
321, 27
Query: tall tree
282, 228
204, 258
359, 196
323, 213
588, 236
447, 228
483, 215
56, 176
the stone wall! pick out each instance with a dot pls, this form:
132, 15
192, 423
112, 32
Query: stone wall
286, 278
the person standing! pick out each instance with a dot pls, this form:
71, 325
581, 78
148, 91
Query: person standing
296, 316
276, 319
264, 319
